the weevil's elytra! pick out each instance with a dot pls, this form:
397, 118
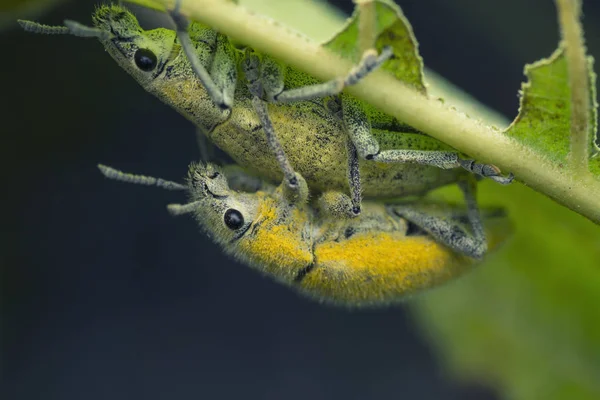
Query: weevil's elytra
323, 141
371, 260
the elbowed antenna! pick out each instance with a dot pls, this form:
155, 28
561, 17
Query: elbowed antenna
180, 209
72, 28
34, 27
80, 30
139, 179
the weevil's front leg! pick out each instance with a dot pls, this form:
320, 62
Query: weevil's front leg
447, 228
220, 82
258, 78
369, 62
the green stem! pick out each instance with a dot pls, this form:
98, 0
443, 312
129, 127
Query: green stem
579, 192
367, 22
569, 14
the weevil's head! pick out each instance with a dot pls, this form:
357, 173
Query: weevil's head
261, 229
143, 54
225, 214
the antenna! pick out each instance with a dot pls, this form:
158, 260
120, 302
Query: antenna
72, 28
117, 175
180, 209
80, 30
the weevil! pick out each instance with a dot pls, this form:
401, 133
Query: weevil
275, 120
388, 252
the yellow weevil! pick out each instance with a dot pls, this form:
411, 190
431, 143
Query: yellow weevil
387, 252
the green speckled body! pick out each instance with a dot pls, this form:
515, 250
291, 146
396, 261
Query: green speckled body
314, 142
310, 132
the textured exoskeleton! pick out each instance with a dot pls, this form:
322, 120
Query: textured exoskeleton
387, 252
273, 119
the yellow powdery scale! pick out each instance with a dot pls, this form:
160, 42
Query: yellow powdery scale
274, 248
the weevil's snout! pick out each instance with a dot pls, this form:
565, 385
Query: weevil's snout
116, 20
207, 180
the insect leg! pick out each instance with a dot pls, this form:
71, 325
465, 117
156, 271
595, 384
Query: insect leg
468, 187
288, 171
220, 83
205, 147
261, 79
448, 227
359, 129
486, 170
441, 159
369, 62
354, 178
340, 205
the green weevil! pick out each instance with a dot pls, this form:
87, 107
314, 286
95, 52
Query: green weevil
388, 252
275, 120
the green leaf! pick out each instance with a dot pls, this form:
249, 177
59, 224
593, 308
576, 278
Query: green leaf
11, 10
527, 321
544, 119
391, 29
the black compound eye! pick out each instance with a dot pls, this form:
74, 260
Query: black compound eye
233, 219
145, 60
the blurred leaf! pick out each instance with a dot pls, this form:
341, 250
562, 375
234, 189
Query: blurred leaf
528, 320
11, 10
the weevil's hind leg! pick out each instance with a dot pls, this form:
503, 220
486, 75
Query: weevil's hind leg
479, 243
221, 81
447, 228
486, 171
441, 159
369, 62
340, 205
354, 179
205, 147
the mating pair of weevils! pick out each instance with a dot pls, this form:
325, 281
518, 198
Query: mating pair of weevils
313, 232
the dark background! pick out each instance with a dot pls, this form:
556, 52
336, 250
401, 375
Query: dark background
104, 295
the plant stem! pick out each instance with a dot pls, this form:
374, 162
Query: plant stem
367, 22
579, 192
569, 15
